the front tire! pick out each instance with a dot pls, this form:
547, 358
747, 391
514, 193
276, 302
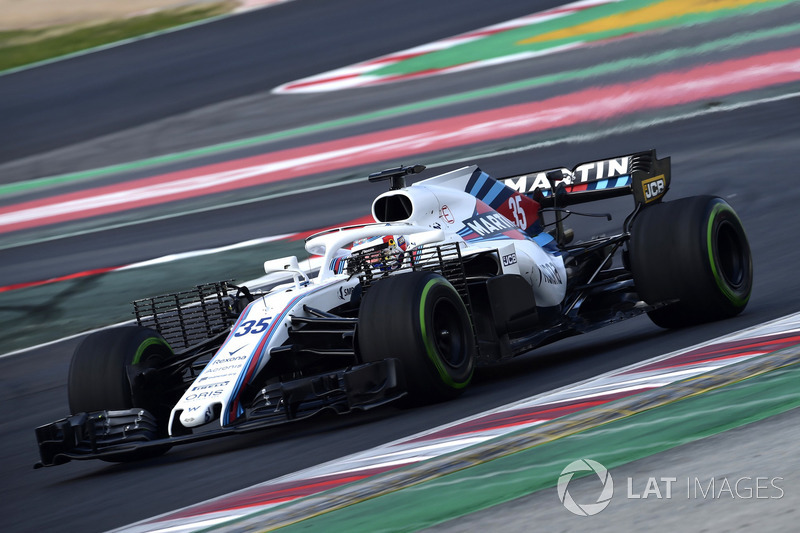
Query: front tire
98, 378
420, 319
693, 250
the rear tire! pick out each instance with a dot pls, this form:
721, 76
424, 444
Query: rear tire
693, 250
98, 377
420, 319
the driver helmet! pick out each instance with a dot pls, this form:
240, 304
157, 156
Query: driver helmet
384, 252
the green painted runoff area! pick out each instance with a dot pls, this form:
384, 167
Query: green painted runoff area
613, 444
509, 42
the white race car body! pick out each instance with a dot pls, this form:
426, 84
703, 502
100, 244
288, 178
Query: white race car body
457, 271
440, 209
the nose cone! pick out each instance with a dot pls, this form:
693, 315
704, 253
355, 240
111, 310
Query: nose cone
197, 416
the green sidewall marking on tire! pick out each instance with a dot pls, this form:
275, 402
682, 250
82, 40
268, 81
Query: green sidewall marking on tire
730, 295
429, 348
145, 345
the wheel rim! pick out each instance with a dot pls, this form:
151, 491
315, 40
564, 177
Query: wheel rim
732, 256
448, 333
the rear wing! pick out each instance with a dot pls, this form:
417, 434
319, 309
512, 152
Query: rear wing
641, 174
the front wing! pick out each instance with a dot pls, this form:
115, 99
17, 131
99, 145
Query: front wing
112, 434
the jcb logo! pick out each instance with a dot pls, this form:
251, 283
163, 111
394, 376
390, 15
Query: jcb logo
509, 259
653, 188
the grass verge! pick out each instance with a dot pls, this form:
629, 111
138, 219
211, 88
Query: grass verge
23, 47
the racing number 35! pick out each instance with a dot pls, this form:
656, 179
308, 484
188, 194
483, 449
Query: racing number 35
247, 327
518, 212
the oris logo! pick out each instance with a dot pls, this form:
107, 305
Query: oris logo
203, 395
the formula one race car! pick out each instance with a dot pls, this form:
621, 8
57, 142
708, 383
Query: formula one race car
458, 270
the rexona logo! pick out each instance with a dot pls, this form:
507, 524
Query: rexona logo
653, 188
586, 509
594, 171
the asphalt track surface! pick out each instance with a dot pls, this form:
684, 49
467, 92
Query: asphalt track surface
748, 156
92, 95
